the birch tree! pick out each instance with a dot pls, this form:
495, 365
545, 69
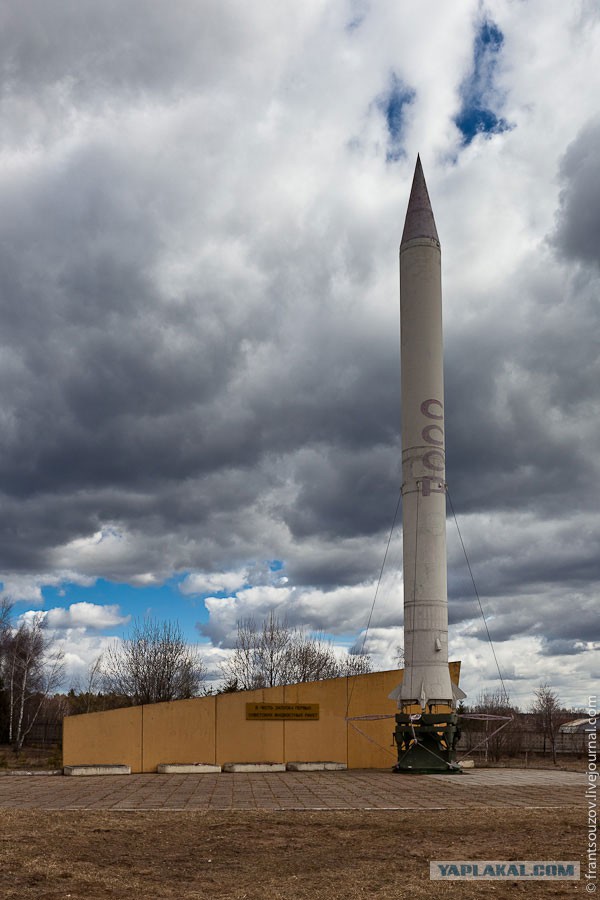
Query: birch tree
32, 670
5, 609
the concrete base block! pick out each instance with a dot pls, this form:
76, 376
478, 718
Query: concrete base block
316, 767
19, 772
97, 770
466, 763
254, 767
187, 769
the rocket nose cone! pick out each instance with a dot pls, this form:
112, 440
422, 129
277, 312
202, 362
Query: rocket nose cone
419, 222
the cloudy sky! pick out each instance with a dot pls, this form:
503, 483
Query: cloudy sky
201, 206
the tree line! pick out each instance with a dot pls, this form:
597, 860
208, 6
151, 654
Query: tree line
153, 664
502, 735
274, 653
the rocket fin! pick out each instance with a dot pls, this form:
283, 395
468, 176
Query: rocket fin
395, 694
457, 693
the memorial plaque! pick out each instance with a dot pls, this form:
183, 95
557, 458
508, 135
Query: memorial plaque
282, 712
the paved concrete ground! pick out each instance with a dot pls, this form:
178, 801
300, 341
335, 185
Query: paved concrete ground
356, 789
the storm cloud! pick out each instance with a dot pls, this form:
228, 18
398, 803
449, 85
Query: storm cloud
199, 349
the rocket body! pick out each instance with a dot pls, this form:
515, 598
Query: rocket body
426, 674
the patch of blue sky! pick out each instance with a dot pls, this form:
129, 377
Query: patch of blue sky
162, 602
473, 120
489, 35
478, 92
393, 103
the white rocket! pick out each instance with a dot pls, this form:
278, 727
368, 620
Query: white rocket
426, 674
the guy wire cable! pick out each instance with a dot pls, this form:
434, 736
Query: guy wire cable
385, 555
477, 595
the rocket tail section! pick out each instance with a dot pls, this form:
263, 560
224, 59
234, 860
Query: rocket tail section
413, 692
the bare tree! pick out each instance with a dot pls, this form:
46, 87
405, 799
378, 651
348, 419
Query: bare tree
259, 658
85, 695
310, 658
32, 670
5, 611
94, 676
5, 632
547, 712
357, 662
271, 653
276, 653
240, 671
506, 741
155, 664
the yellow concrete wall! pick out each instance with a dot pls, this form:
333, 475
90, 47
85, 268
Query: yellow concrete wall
325, 739
179, 732
241, 741
215, 729
104, 738
369, 742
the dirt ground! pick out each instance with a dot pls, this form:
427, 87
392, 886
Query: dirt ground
338, 855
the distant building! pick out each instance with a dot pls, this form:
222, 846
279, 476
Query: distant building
578, 726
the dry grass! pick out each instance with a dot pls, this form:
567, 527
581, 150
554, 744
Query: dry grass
51, 758
338, 855
565, 762
30, 758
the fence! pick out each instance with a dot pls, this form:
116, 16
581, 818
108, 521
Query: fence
514, 740
45, 734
